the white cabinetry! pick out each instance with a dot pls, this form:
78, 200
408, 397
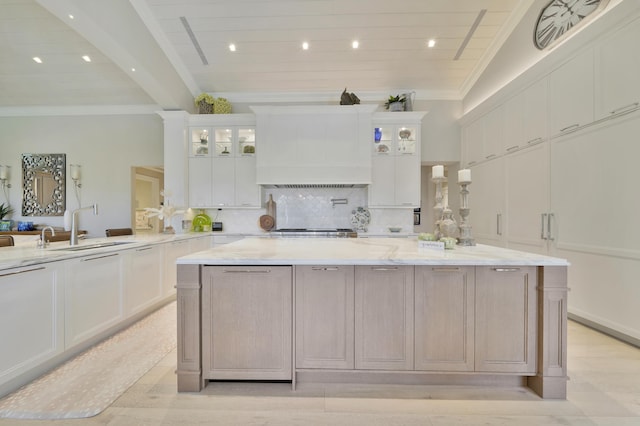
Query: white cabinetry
143, 283
571, 94
395, 177
32, 317
384, 317
93, 296
505, 326
528, 220
487, 200
247, 323
472, 142
617, 71
324, 312
444, 318
525, 117
493, 141
222, 164
172, 251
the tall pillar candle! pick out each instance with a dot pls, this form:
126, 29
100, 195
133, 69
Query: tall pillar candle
437, 172
464, 175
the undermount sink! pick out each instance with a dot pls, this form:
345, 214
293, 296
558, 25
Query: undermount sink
92, 246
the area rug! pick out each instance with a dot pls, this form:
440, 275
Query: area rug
86, 385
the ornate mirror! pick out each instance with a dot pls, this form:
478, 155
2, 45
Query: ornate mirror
43, 184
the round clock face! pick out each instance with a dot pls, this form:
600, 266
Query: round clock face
560, 16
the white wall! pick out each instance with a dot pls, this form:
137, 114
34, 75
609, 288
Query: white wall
105, 146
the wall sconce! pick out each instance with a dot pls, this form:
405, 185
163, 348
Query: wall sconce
74, 170
4, 176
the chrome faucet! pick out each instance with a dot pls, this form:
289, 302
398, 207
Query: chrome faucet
73, 240
43, 243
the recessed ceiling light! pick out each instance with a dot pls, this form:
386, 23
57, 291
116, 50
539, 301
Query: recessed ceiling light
305, 46
38, 60
71, 16
133, 70
355, 44
431, 43
86, 58
232, 47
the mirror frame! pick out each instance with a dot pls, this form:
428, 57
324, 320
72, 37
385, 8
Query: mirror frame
55, 164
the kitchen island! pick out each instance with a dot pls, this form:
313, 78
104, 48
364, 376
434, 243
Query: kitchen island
374, 310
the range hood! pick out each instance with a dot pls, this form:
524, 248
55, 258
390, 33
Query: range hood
315, 185
314, 145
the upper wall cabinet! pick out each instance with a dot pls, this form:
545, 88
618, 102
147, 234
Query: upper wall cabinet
472, 142
617, 70
525, 117
571, 94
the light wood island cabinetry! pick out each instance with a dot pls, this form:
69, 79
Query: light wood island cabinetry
374, 311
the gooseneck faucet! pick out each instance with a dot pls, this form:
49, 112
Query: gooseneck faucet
73, 240
43, 243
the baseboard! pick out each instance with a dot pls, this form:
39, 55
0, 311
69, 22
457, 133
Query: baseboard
604, 329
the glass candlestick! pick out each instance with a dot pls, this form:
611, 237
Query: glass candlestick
438, 208
465, 238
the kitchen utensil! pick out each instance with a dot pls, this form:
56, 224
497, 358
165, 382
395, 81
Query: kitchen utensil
267, 222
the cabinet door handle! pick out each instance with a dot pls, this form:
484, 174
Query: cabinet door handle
499, 224
625, 108
436, 269
506, 269
144, 249
324, 268
543, 218
22, 272
246, 271
536, 140
490, 156
511, 148
87, 259
549, 216
573, 126
394, 268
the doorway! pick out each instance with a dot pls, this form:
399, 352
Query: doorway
147, 182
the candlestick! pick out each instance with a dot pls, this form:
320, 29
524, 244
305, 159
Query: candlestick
437, 172
438, 208
465, 228
464, 175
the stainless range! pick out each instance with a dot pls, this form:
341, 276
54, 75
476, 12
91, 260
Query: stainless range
314, 233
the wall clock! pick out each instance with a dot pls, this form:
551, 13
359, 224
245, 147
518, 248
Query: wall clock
561, 16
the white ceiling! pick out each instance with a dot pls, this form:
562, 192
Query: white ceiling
150, 35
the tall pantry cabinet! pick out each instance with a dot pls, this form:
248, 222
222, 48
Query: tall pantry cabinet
565, 190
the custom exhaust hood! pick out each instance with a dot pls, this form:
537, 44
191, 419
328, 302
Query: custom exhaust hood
319, 146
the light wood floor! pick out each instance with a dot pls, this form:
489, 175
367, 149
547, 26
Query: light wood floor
604, 390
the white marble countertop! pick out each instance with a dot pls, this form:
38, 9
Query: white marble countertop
359, 251
26, 253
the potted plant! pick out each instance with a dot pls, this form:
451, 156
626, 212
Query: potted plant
204, 102
395, 103
5, 210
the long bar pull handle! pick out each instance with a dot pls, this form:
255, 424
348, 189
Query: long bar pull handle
316, 268
543, 218
87, 259
144, 249
393, 269
22, 272
506, 269
626, 107
436, 269
499, 224
573, 126
246, 271
549, 236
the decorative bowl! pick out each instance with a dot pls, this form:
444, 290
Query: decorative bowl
395, 229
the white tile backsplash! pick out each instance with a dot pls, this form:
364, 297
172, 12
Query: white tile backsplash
312, 208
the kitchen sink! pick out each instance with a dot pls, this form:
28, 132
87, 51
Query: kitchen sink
92, 246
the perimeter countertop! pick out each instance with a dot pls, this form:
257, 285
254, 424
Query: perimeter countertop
27, 254
359, 251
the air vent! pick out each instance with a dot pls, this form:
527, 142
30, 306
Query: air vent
316, 185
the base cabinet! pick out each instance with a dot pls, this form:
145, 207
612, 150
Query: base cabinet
246, 322
444, 318
324, 312
506, 319
384, 317
32, 318
93, 296
143, 284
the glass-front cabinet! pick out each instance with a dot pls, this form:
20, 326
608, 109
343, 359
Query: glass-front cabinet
395, 174
222, 167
